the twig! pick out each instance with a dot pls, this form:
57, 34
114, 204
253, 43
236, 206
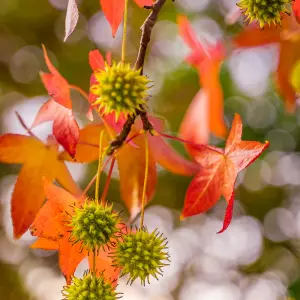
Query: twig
139, 64
146, 32
121, 137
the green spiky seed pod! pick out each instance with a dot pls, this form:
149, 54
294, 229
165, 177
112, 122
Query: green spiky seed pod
90, 287
264, 11
94, 225
141, 254
120, 89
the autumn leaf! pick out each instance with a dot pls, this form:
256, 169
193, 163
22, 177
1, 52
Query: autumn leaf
58, 110
71, 18
52, 227
56, 85
296, 10
65, 127
38, 160
114, 11
287, 38
209, 112
131, 160
218, 173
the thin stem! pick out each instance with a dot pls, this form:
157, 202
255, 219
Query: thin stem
107, 183
106, 163
124, 31
24, 126
94, 262
99, 166
145, 181
80, 90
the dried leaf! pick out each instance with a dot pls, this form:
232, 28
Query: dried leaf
71, 18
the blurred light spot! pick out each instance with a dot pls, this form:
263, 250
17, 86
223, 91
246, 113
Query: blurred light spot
59, 4
288, 169
261, 114
208, 29
28, 109
77, 170
253, 176
279, 225
265, 289
250, 69
237, 104
100, 32
280, 140
192, 5
268, 172
158, 217
79, 33
81, 268
24, 65
242, 240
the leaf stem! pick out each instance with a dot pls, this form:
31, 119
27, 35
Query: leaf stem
104, 194
124, 31
106, 163
94, 261
145, 181
99, 166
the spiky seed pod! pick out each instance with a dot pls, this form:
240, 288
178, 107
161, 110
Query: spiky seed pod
264, 11
141, 254
90, 287
120, 89
94, 225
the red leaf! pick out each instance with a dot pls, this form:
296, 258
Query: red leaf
113, 11
71, 18
166, 156
296, 10
143, 3
195, 125
96, 60
56, 85
219, 171
228, 214
65, 127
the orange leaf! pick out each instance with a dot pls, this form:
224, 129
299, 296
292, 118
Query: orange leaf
56, 85
207, 59
38, 160
113, 11
54, 220
132, 163
45, 244
88, 144
219, 171
143, 3
65, 127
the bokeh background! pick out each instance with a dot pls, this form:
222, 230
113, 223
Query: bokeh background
258, 257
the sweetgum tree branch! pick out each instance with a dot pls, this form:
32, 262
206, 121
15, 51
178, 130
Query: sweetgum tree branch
139, 64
